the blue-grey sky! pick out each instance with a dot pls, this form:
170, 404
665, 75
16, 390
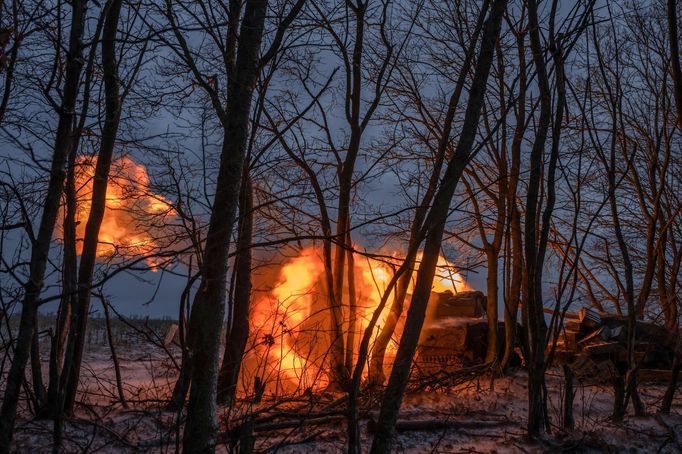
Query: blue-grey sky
157, 293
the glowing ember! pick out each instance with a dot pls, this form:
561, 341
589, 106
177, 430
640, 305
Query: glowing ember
134, 216
291, 322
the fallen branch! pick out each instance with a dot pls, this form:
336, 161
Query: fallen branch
440, 424
297, 423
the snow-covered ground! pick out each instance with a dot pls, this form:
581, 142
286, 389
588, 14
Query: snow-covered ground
473, 417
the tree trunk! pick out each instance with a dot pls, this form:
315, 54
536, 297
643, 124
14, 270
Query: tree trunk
618, 397
352, 307
208, 309
491, 284
628, 379
37, 371
346, 169
181, 387
69, 261
76, 341
675, 59
671, 303
376, 369
41, 246
55, 396
69, 285
114, 355
535, 245
337, 341
672, 386
511, 304
569, 394
238, 333
435, 224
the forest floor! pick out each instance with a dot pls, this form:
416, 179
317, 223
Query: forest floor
470, 417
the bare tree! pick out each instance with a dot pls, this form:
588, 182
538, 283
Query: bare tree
76, 341
444, 146
238, 333
241, 67
41, 244
677, 90
434, 225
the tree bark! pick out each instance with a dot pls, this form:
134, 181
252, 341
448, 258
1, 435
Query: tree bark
675, 59
238, 332
435, 224
569, 394
8, 68
114, 355
181, 387
667, 402
535, 244
618, 397
39, 391
352, 306
492, 256
671, 303
208, 309
511, 304
76, 341
70, 262
41, 245
69, 285
346, 169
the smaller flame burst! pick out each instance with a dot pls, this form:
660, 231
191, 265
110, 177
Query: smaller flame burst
291, 324
135, 218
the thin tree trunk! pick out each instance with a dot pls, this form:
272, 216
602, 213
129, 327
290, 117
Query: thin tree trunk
672, 313
493, 248
569, 394
238, 334
535, 244
346, 169
55, 396
618, 397
41, 246
69, 262
376, 369
435, 225
492, 256
625, 383
76, 341
325, 220
39, 390
630, 378
8, 68
337, 341
665, 299
675, 59
69, 284
672, 386
114, 355
511, 304
181, 387
352, 307
208, 309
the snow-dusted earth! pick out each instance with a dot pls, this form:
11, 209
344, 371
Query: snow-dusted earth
479, 419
